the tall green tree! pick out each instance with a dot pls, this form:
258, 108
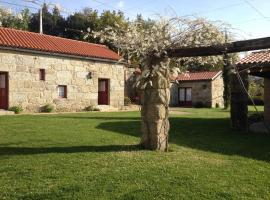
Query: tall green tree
53, 23
58, 22
78, 24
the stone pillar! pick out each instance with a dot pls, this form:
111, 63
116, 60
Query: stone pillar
155, 100
267, 100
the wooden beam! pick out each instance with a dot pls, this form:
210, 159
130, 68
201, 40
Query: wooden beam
232, 47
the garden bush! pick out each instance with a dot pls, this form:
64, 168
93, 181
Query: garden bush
48, 108
16, 109
127, 101
91, 108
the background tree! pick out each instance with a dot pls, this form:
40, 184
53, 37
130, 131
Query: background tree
77, 24
58, 22
53, 23
11, 20
256, 89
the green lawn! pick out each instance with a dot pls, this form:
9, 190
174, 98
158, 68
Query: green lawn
95, 156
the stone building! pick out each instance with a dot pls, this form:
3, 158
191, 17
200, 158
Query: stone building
38, 69
198, 89
258, 64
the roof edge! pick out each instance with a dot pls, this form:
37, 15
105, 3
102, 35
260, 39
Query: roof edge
218, 73
53, 36
57, 54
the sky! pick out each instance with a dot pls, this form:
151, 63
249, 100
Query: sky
248, 18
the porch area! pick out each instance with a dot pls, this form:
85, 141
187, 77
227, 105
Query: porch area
258, 64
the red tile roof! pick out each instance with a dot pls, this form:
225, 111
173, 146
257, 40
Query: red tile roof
46, 43
258, 57
198, 76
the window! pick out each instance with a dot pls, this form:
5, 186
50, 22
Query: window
42, 74
185, 96
62, 91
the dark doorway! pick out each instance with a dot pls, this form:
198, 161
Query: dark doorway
103, 91
185, 97
4, 90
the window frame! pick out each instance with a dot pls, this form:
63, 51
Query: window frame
185, 89
64, 96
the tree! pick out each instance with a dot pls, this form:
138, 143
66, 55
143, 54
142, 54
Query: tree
57, 22
148, 47
53, 23
256, 89
11, 20
88, 20
77, 24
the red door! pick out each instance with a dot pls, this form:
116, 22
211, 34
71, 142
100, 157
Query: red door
3, 90
103, 92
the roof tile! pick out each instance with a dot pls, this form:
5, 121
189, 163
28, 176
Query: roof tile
198, 76
256, 58
46, 43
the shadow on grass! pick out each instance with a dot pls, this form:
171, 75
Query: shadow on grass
73, 149
213, 135
98, 118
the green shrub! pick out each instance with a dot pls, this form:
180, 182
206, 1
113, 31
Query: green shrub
16, 109
127, 101
89, 108
96, 109
48, 108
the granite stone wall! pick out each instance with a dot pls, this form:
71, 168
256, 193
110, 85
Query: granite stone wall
217, 92
28, 91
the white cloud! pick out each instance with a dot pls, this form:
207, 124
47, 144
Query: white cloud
120, 4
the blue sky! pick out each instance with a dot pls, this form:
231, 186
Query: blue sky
249, 18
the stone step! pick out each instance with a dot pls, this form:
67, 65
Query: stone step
6, 112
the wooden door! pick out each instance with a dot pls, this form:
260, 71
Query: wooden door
185, 97
103, 92
3, 90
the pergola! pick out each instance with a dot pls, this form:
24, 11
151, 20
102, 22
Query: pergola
258, 64
239, 98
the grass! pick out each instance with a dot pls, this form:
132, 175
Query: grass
95, 156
